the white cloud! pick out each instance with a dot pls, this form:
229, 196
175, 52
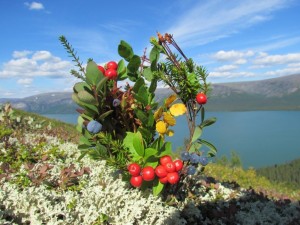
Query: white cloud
35, 64
212, 20
268, 60
232, 55
284, 71
21, 54
226, 68
227, 74
34, 5
25, 81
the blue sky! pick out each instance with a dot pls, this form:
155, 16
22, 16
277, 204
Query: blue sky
236, 40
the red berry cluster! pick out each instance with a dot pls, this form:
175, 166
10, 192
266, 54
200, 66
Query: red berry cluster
138, 174
166, 172
111, 70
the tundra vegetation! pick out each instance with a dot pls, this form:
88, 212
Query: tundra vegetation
123, 171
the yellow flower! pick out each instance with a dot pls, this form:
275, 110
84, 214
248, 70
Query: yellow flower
158, 113
178, 109
169, 119
170, 133
170, 100
161, 127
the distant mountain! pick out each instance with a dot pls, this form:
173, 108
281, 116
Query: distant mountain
48, 103
281, 93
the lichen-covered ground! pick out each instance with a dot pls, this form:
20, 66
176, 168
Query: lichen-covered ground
57, 189
41, 182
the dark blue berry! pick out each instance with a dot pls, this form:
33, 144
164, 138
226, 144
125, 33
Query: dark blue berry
203, 160
116, 102
94, 126
191, 170
194, 158
185, 156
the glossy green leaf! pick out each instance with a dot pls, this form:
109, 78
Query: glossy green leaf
212, 149
142, 116
208, 122
84, 140
101, 84
154, 54
125, 51
157, 187
106, 114
122, 70
151, 161
93, 74
153, 86
197, 133
138, 144
150, 152
138, 84
148, 74
134, 64
166, 149
202, 114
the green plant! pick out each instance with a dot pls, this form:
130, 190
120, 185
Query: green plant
126, 125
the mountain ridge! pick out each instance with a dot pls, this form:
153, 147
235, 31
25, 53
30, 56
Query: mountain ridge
282, 93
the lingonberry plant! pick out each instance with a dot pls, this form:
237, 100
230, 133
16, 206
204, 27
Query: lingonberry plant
126, 126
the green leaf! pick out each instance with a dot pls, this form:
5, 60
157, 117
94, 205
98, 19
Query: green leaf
151, 161
212, 149
86, 97
202, 114
154, 54
138, 144
138, 84
147, 135
93, 74
134, 143
148, 74
153, 86
142, 95
142, 116
122, 70
166, 149
150, 152
89, 107
197, 134
134, 64
104, 115
80, 86
157, 187
101, 84
125, 50
84, 140
208, 122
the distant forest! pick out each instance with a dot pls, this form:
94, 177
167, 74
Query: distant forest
288, 173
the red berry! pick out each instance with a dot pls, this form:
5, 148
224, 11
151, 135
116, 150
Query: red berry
136, 181
165, 159
134, 169
170, 167
173, 178
178, 164
201, 98
148, 173
111, 74
101, 68
160, 171
163, 180
112, 65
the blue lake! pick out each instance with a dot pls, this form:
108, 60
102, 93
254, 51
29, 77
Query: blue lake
260, 138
